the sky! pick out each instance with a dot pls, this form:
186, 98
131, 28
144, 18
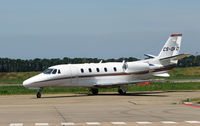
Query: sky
96, 28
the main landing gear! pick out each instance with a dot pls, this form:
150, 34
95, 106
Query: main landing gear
122, 90
95, 91
38, 95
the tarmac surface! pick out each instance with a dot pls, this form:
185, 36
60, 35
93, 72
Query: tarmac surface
107, 109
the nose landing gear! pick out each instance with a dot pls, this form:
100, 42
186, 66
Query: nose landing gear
38, 95
94, 91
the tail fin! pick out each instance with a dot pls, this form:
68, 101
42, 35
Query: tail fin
171, 47
168, 57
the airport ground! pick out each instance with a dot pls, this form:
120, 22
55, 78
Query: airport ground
158, 108
155, 108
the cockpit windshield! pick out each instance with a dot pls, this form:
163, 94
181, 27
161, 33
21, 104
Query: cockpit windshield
54, 71
47, 71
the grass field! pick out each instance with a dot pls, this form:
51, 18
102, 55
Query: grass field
15, 77
185, 73
155, 86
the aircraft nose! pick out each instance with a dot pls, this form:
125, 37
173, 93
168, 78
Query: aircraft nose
26, 83
30, 83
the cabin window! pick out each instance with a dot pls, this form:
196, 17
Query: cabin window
82, 70
54, 71
47, 71
59, 72
98, 70
115, 69
105, 69
90, 70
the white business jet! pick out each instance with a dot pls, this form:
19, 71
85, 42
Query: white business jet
111, 74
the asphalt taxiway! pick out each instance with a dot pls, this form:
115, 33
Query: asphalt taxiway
134, 109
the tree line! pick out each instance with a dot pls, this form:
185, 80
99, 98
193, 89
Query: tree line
19, 65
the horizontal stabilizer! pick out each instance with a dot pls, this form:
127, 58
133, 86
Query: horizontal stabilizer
119, 83
149, 56
176, 57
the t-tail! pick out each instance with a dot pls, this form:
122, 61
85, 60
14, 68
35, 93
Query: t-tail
171, 47
168, 56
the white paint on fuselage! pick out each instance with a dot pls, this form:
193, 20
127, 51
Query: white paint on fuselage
71, 75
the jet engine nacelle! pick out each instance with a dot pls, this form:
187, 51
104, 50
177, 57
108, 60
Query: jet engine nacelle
137, 67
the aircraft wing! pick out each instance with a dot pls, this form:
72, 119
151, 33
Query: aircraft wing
115, 84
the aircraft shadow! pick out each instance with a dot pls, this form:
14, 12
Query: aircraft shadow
147, 94
109, 94
65, 96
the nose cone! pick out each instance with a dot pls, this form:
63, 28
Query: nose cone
26, 83
33, 82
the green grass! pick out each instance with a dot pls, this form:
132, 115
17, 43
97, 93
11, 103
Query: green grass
164, 86
185, 73
12, 90
15, 77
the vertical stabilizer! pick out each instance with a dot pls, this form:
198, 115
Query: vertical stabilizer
171, 47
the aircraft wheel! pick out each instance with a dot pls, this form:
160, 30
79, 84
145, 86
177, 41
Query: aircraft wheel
121, 91
38, 95
94, 91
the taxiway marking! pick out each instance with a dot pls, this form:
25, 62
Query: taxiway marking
68, 124
168, 122
93, 123
192, 105
143, 123
118, 123
41, 124
113, 123
16, 124
193, 122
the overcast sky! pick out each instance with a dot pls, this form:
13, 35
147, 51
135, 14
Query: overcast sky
95, 28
